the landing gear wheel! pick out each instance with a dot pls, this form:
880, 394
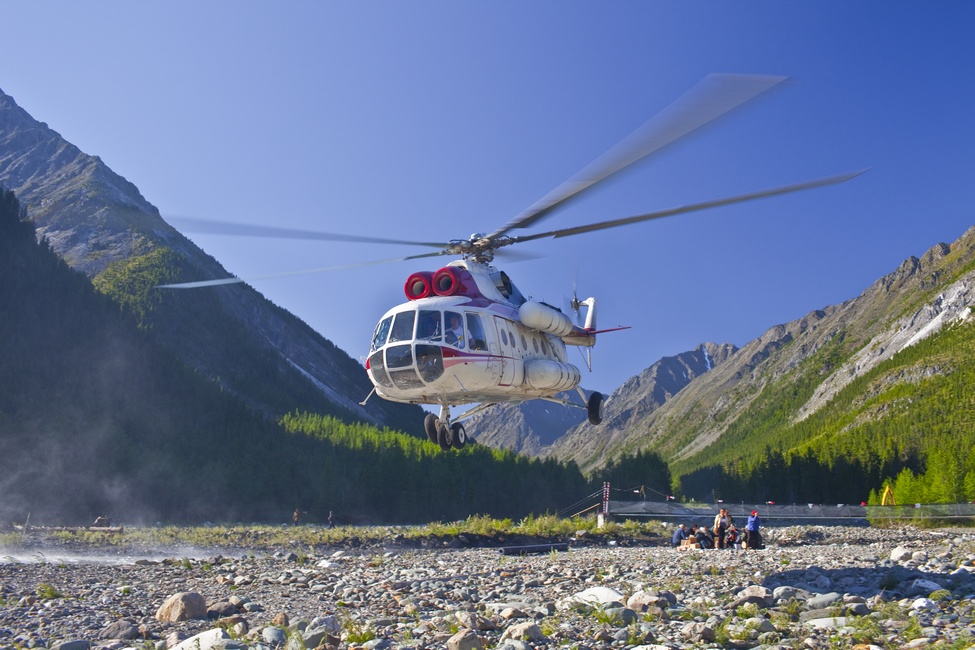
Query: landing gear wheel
459, 435
430, 426
444, 435
595, 408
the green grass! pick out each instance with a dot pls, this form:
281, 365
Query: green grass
303, 538
48, 592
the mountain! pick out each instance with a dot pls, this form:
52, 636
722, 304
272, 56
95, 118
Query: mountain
100, 224
867, 389
528, 428
858, 385
629, 406
538, 428
94, 416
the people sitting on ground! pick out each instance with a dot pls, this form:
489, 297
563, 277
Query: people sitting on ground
679, 535
705, 537
733, 538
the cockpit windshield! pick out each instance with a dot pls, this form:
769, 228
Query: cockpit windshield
382, 331
461, 330
428, 325
402, 326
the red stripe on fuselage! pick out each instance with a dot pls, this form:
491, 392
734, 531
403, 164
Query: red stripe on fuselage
453, 357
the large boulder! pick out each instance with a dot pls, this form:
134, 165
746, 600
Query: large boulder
184, 606
464, 640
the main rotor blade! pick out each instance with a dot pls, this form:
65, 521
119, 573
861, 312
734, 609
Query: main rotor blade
603, 225
709, 99
215, 283
246, 230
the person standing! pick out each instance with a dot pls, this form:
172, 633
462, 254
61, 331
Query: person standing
753, 538
722, 521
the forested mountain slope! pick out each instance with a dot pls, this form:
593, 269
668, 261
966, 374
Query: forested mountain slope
96, 417
101, 225
872, 385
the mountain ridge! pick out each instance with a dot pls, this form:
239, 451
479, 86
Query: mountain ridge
100, 224
840, 343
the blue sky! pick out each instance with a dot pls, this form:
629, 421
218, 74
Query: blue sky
433, 120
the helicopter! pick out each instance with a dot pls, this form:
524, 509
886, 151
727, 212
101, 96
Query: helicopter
466, 335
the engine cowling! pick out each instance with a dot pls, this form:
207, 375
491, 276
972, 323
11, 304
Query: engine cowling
544, 318
419, 285
448, 281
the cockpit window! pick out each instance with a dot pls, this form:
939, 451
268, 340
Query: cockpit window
382, 331
454, 332
476, 330
403, 326
428, 326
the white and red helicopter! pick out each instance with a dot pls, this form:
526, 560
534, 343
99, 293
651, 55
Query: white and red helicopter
467, 335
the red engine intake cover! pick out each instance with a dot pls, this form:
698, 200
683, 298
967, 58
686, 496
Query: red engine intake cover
419, 285
448, 281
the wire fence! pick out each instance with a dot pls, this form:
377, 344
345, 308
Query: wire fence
793, 511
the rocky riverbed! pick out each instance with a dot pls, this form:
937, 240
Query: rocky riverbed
811, 587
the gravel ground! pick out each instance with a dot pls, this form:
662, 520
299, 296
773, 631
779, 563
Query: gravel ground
811, 587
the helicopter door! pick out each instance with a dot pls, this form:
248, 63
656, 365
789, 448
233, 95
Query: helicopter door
506, 352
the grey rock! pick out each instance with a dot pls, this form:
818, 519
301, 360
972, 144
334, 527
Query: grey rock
828, 623
274, 635
822, 601
120, 630
78, 644
900, 554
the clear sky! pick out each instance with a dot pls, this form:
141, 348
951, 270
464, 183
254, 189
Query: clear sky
432, 120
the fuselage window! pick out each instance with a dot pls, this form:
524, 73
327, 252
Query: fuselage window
454, 333
524, 343
382, 331
403, 326
535, 342
504, 337
476, 331
428, 326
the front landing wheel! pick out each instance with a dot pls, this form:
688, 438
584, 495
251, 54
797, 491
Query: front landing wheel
595, 408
